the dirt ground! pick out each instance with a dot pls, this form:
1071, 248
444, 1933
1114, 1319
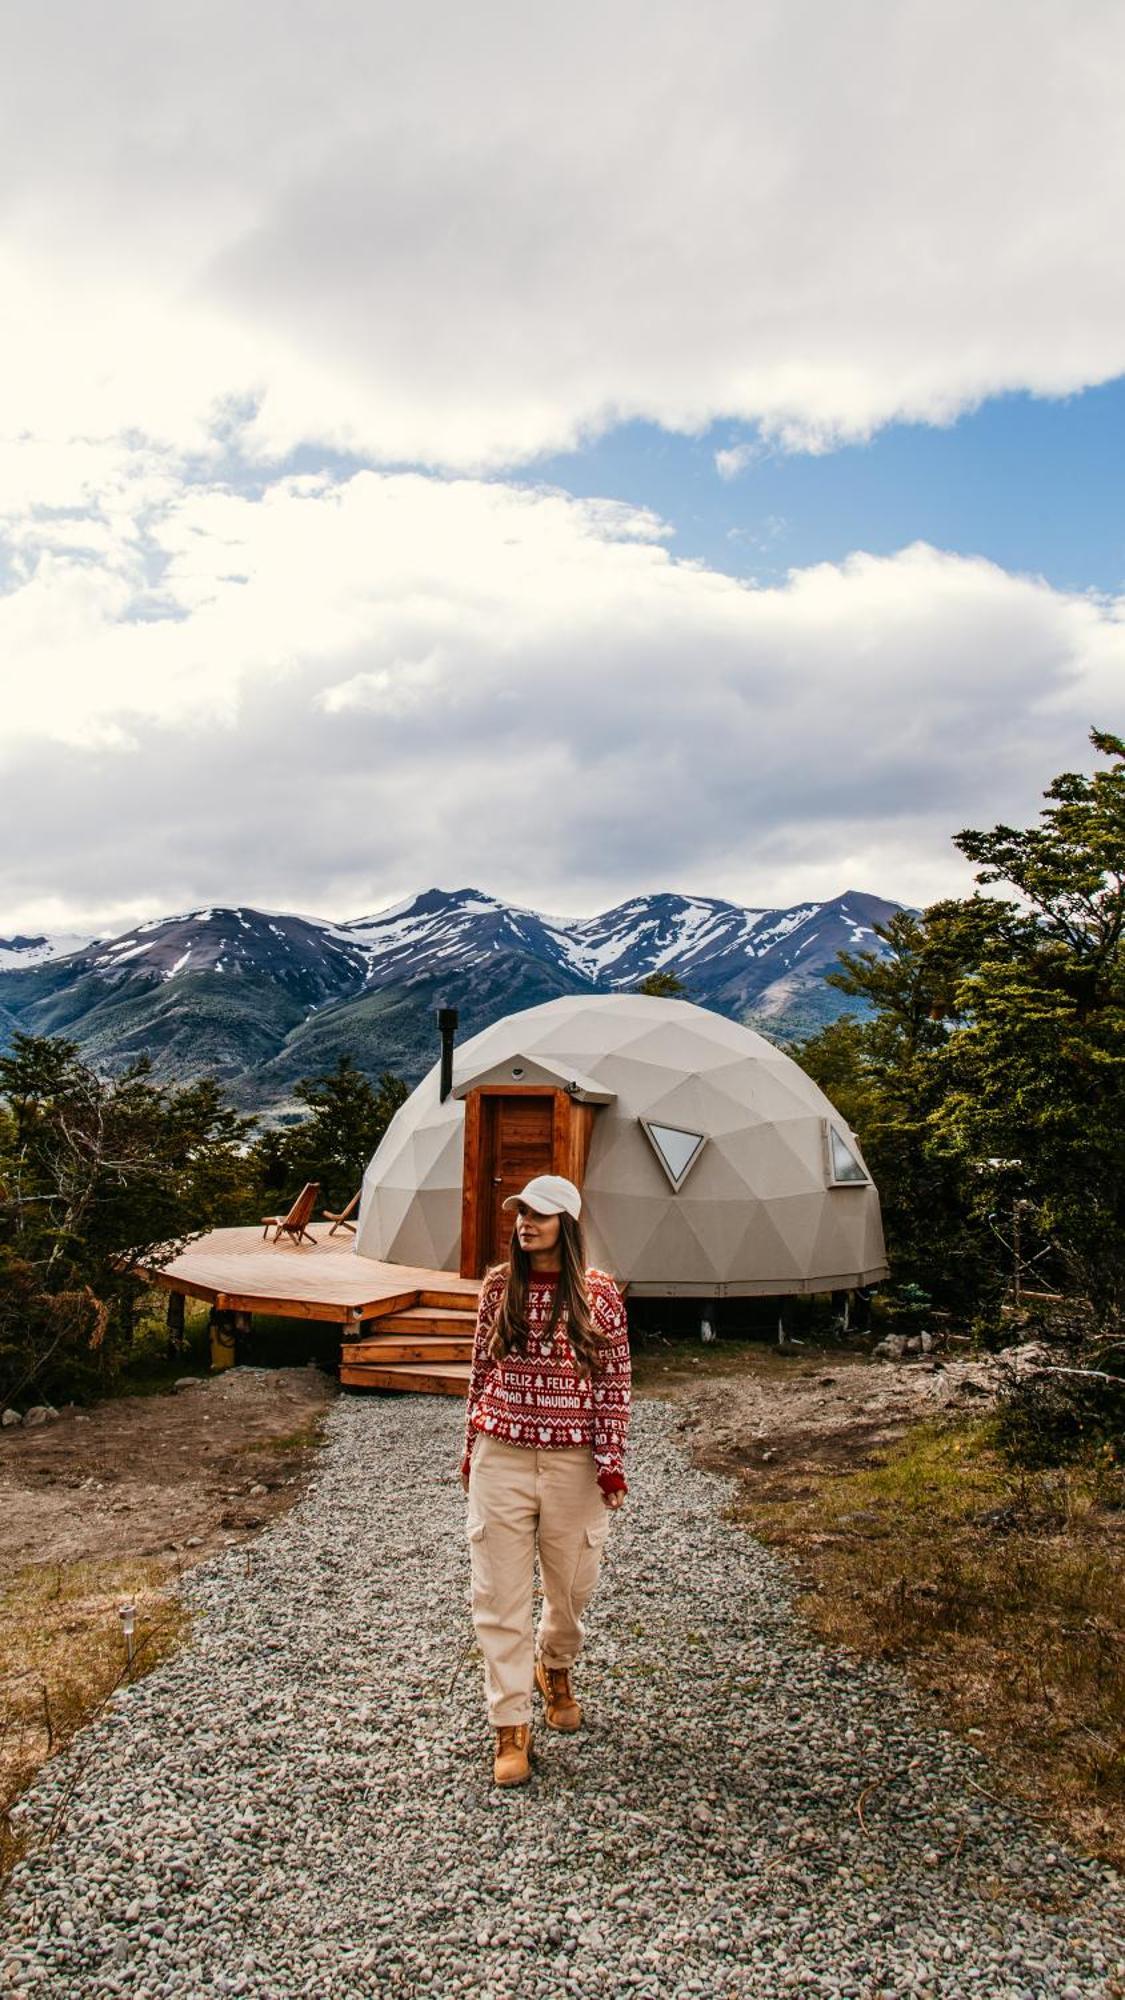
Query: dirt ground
174, 1475
776, 1417
182, 1473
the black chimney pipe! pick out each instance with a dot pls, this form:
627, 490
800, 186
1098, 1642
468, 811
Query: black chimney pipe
447, 1023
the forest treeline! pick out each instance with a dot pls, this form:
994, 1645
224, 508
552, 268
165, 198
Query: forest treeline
985, 1078
987, 1087
98, 1175
991, 1068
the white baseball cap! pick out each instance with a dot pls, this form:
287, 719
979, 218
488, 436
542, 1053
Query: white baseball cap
548, 1194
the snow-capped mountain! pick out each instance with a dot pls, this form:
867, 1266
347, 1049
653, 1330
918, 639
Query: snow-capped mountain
260, 999
19, 951
714, 947
442, 929
314, 961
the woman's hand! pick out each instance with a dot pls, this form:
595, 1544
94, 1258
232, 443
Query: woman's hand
614, 1499
464, 1478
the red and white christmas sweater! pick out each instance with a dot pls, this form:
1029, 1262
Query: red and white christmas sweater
538, 1398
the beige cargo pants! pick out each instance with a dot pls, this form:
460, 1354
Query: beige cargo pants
519, 1495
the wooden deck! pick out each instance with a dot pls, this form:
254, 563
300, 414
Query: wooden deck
402, 1326
237, 1272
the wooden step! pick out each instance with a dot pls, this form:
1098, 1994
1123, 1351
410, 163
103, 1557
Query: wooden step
428, 1319
383, 1348
449, 1300
450, 1380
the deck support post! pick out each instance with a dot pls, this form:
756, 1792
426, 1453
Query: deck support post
223, 1330
242, 1323
174, 1319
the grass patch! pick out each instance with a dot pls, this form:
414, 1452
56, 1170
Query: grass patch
308, 1437
1001, 1589
62, 1654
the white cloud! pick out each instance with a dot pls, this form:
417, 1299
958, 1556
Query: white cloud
733, 459
367, 685
457, 237
460, 236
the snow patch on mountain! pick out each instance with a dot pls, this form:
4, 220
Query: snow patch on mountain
19, 951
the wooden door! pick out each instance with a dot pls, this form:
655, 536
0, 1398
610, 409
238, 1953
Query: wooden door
521, 1145
512, 1133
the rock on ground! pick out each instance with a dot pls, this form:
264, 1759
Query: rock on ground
301, 1804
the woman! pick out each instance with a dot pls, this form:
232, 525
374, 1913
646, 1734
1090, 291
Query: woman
547, 1422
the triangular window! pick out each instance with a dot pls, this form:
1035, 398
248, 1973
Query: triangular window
844, 1169
676, 1149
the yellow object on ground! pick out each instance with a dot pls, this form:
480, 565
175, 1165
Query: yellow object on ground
222, 1346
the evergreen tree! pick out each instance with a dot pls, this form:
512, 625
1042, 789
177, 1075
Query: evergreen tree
348, 1116
662, 986
97, 1176
887, 1075
993, 1066
1037, 1069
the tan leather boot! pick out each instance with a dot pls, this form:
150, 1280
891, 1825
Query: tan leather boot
563, 1711
512, 1762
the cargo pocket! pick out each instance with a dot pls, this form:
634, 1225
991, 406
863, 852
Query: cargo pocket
477, 1537
590, 1552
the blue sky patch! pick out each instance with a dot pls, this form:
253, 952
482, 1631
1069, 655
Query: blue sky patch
1033, 484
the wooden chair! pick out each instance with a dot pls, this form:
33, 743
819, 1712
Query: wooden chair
340, 1221
296, 1223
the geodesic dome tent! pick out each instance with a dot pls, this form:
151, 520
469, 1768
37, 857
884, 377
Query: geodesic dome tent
709, 1163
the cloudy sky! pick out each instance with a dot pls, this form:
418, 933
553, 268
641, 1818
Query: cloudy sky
572, 452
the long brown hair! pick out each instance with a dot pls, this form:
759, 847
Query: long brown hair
510, 1329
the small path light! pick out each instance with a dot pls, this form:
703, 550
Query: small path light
128, 1616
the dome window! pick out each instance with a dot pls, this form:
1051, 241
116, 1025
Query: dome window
676, 1150
845, 1169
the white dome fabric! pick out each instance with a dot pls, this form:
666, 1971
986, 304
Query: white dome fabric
761, 1206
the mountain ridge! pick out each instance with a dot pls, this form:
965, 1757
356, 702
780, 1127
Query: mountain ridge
259, 998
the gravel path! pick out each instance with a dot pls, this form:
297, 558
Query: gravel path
298, 1805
